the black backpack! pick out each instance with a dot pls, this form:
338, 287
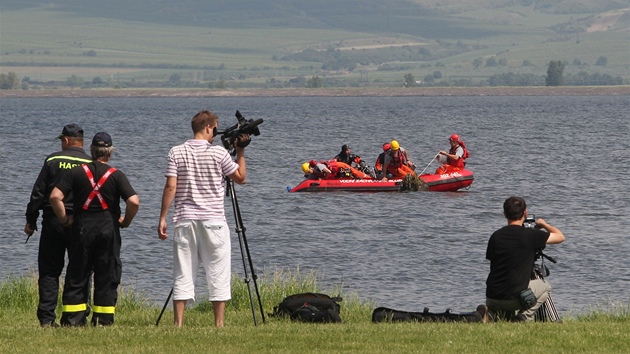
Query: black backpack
309, 307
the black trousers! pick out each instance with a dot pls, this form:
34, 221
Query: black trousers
95, 247
53, 243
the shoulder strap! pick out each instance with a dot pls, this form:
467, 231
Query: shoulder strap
96, 187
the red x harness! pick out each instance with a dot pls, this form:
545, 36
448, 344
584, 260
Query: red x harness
96, 187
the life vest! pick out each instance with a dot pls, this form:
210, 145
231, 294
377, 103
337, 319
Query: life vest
399, 158
461, 162
96, 187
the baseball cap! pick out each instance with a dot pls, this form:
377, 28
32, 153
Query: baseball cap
102, 139
71, 130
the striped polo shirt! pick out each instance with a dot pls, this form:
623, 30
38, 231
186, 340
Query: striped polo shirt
200, 168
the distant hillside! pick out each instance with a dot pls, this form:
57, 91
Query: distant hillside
249, 43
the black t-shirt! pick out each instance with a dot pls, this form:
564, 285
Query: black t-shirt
347, 159
511, 251
116, 187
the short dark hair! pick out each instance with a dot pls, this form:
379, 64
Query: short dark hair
514, 208
202, 120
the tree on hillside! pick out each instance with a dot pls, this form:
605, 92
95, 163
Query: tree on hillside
74, 81
492, 61
9, 81
410, 81
221, 84
554, 73
314, 82
601, 61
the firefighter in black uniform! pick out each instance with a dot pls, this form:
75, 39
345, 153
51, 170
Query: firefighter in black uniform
54, 237
95, 224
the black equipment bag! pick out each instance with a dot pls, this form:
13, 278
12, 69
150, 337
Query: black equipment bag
383, 314
309, 307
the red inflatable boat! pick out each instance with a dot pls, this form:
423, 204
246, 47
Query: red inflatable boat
447, 182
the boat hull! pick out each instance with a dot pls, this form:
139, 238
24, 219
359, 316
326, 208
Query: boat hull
447, 182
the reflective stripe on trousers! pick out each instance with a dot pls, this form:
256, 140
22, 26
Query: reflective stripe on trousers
109, 310
74, 308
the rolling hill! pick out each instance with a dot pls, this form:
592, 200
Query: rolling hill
281, 43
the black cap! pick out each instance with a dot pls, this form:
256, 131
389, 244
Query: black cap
102, 139
345, 147
71, 130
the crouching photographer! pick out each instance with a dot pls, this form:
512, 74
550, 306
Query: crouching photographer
195, 180
512, 250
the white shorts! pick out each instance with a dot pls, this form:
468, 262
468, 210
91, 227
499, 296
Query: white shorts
205, 242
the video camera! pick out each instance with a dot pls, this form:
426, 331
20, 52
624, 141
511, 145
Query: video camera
244, 126
530, 222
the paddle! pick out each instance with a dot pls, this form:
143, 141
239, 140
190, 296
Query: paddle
434, 157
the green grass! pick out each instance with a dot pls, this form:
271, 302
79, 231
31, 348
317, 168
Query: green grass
600, 331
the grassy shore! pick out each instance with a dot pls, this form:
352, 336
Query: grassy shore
601, 331
329, 92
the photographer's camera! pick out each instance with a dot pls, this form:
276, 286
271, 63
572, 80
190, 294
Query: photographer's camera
530, 222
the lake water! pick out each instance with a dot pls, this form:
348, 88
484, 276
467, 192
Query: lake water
567, 155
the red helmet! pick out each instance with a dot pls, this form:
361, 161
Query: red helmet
454, 137
312, 163
386, 146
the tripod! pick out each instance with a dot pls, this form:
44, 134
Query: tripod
242, 241
546, 312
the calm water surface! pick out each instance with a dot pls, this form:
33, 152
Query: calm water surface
568, 156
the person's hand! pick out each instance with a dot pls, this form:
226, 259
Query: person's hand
442, 152
384, 179
69, 221
121, 223
162, 230
541, 224
243, 140
28, 230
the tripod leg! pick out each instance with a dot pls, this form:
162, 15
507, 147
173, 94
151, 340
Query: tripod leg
240, 230
254, 277
550, 309
164, 308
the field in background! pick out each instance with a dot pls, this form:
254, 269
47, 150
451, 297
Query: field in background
46, 44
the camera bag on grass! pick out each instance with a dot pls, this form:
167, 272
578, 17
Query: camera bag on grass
309, 307
384, 314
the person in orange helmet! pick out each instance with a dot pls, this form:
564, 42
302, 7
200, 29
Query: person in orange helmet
455, 158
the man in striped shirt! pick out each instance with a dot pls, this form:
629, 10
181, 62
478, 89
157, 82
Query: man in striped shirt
195, 180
